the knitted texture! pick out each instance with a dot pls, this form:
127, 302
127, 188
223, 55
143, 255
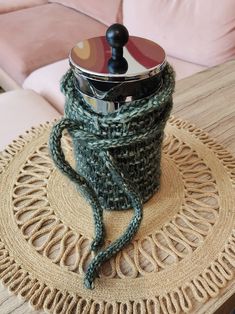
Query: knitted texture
117, 157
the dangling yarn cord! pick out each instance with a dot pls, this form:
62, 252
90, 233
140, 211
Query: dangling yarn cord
100, 142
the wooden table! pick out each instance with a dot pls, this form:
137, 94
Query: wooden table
208, 100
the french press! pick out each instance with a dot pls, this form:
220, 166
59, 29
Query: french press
118, 99
117, 69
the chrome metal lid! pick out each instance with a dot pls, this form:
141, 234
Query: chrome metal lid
107, 59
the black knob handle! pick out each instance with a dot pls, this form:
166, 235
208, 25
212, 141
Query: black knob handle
117, 36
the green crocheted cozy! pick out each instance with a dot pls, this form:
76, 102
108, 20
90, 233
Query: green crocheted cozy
117, 157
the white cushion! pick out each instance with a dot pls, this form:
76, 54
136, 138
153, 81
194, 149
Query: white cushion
19, 111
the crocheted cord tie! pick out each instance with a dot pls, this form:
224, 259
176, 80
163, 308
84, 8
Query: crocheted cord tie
105, 144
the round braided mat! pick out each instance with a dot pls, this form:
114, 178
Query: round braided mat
183, 254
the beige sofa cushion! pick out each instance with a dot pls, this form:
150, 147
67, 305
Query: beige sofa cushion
12, 5
19, 111
34, 37
105, 11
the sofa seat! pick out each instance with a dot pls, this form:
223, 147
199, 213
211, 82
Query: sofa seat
49, 32
19, 111
184, 68
46, 80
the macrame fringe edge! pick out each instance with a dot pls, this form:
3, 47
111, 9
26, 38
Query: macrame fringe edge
41, 296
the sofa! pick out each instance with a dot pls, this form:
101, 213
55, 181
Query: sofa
37, 35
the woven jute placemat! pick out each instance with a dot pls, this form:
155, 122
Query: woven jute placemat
182, 255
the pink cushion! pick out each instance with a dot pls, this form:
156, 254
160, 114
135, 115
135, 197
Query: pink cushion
183, 68
199, 31
12, 5
46, 82
19, 111
105, 11
34, 37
